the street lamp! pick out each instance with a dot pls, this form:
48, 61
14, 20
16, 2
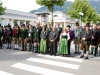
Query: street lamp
81, 14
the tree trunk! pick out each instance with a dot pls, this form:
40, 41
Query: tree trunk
52, 16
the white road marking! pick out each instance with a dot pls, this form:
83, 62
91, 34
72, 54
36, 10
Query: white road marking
38, 70
62, 58
4, 73
54, 63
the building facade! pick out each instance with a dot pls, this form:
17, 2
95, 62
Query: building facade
12, 16
62, 19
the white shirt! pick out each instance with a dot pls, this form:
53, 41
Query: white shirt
65, 34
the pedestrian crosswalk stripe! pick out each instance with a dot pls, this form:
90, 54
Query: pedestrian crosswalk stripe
4, 73
62, 58
38, 70
54, 63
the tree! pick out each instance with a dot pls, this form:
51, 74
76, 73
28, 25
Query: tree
2, 9
83, 6
50, 4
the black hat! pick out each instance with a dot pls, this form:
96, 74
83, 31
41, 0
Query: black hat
23, 24
9, 25
88, 25
68, 26
77, 24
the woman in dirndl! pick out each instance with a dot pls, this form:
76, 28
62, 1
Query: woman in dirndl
64, 37
43, 43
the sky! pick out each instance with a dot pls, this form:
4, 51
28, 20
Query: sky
22, 5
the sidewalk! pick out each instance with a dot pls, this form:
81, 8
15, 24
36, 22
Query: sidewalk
91, 57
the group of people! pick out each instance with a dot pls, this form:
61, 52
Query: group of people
46, 39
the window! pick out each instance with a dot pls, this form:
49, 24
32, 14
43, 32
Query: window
55, 15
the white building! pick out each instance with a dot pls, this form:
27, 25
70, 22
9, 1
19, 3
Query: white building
13, 16
63, 19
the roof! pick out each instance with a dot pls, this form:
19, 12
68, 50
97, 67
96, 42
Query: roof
39, 13
15, 12
58, 12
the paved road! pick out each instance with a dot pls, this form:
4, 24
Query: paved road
14, 62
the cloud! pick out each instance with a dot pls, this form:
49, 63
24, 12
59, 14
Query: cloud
22, 5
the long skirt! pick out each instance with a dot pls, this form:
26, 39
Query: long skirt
43, 45
63, 46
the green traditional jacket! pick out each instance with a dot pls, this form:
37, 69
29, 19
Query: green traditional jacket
30, 33
48, 29
23, 33
37, 33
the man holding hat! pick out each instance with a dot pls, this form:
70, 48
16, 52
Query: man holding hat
85, 41
8, 35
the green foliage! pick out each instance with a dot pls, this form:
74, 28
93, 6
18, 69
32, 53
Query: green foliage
83, 6
2, 9
50, 4
95, 4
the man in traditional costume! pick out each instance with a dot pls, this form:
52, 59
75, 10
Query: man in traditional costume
30, 38
48, 29
36, 37
1, 36
23, 36
86, 41
98, 47
8, 35
16, 32
94, 39
59, 29
77, 34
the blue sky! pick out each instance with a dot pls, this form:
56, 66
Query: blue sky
21, 5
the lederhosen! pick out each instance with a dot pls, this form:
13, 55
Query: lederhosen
94, 43
95, 35
23, 35
36, 37
30, 37
87, 42
16, 37
77, 32
9, 37
77, 35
